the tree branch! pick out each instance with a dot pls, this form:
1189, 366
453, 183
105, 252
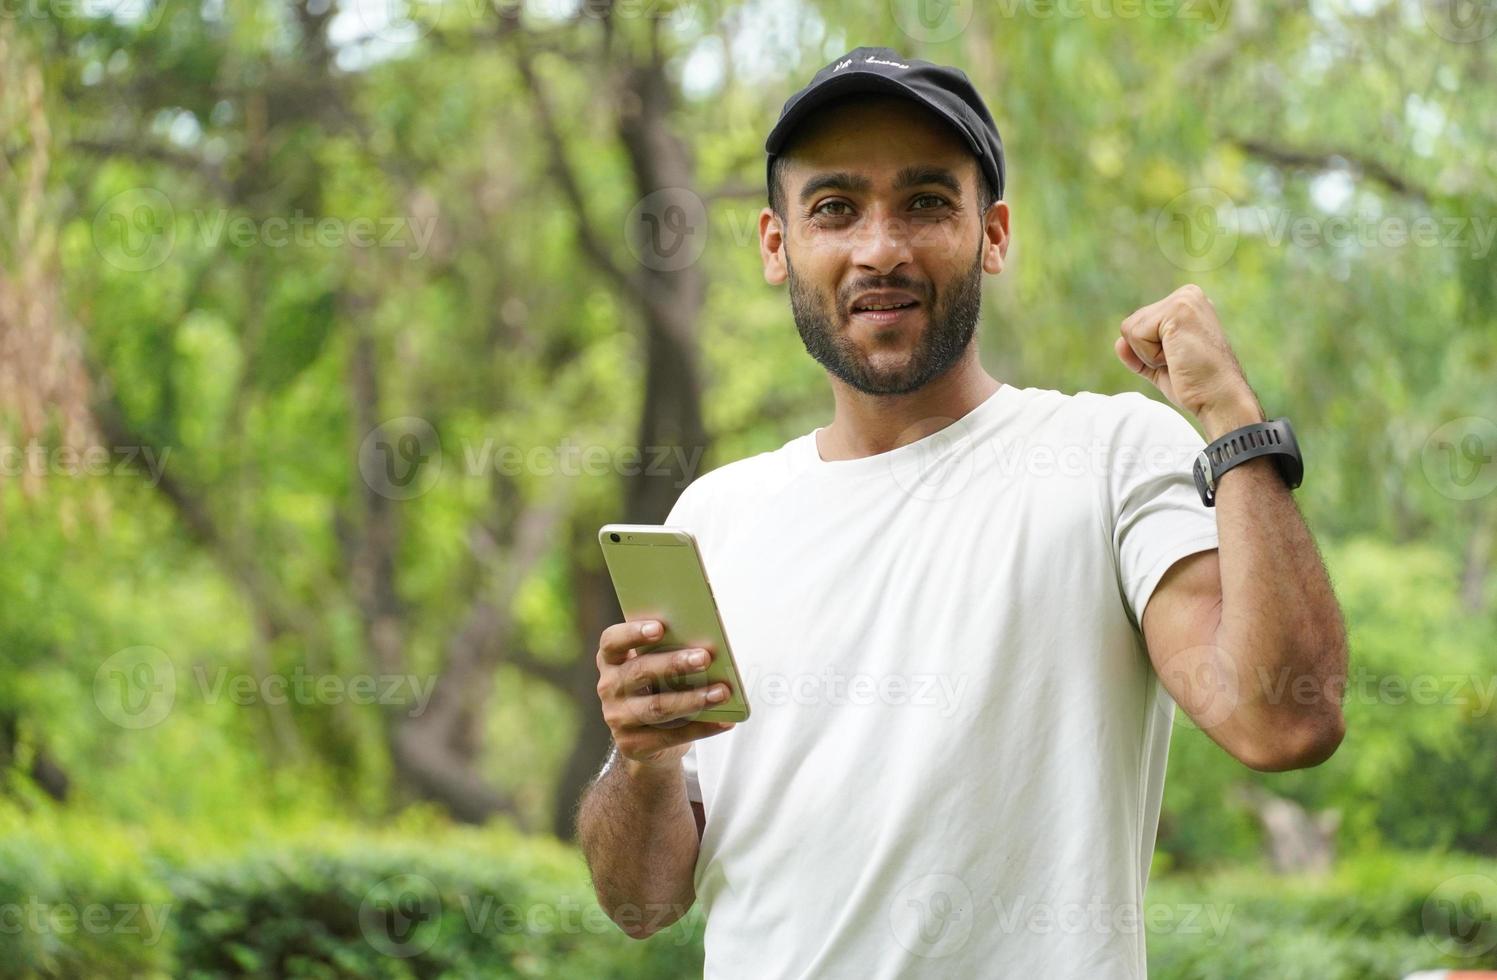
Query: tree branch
1292, 158
141, 150
561, 168
273, 609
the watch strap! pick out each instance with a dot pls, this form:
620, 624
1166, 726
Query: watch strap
1271, 438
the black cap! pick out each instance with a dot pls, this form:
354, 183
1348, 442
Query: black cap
945, 91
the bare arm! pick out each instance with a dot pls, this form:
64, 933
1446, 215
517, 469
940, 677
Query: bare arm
638, 830
640, 834
1250, 641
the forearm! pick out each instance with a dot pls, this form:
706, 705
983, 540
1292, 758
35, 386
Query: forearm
1280, 623
639, 836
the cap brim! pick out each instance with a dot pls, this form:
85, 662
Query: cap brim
851, 83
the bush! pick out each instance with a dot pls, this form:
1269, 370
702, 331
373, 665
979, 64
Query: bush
86, 908
372, 908
1378, 916
422, 899
1413, 772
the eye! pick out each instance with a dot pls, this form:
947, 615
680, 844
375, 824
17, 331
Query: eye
826, 209
930, 201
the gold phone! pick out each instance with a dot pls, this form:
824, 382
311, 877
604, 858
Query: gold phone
658, 574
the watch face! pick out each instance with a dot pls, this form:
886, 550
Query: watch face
1202, 473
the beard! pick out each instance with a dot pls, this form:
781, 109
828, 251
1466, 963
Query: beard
951, 322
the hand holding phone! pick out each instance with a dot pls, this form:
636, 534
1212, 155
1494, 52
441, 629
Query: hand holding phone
660, 578
646, 709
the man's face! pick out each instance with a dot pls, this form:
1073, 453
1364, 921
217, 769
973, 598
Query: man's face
881, 209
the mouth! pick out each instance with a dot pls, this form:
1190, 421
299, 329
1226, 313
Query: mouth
882, 309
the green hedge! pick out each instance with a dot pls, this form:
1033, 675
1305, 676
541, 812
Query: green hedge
80, 912
335, 902
407, 911
425, 900
1377, 916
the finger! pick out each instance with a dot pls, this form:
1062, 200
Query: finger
653, 671
647, 740
1143, 337
697, 729
617, 640
1125, 354
664, 706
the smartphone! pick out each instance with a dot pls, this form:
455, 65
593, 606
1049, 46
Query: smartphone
658, 574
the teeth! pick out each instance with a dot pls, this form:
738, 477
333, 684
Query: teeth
892, 306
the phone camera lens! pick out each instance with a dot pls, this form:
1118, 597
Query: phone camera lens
614, 538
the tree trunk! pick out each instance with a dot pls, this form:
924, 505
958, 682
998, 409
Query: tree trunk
1297, 841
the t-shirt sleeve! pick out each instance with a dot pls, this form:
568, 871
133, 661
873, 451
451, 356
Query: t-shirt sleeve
1158, 517
689, 767
684, 515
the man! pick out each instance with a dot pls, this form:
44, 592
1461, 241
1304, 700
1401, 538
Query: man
964, 611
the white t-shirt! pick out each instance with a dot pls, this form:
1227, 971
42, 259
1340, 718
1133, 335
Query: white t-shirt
957, 745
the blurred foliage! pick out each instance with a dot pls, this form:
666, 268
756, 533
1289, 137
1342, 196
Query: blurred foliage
1380, 915
315, 899
1415, 769
234, 353
420, 898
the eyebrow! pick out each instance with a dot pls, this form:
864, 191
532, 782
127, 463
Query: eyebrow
916, 176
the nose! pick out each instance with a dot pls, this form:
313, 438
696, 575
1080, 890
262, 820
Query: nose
881, 243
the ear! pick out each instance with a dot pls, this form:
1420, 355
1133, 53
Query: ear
772, 247
995, 230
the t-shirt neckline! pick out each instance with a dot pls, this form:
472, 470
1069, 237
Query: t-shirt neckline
911, 453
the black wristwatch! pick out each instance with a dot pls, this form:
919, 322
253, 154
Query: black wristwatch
1272, 438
